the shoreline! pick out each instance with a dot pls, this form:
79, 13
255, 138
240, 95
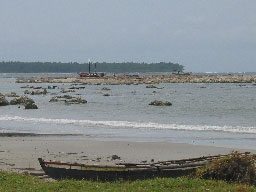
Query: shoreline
136, 80
20, 154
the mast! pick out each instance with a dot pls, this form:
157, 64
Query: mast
89, 63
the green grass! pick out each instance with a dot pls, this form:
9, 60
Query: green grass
16, 182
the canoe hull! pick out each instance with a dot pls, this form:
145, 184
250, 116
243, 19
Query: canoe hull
112, 175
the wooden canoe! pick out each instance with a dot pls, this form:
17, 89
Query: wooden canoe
125, 171
60, 170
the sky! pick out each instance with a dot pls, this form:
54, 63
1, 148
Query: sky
202, 35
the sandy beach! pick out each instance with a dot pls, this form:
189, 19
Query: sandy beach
20, 153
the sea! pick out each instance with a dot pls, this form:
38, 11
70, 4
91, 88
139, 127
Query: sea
205, 114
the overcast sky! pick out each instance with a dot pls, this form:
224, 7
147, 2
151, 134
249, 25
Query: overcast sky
202, 35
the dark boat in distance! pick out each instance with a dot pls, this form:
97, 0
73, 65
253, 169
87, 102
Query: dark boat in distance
86, 74
181, 73
124, 171
89, 74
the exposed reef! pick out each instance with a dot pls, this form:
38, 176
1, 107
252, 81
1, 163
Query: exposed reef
135, 80
68, 99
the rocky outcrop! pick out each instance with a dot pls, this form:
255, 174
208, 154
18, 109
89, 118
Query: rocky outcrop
64, 97
77, 100
30, 87
105, 89
54, 99
68, 99
30, 106
12, 94
151, 86
24, 100
160, 103
3, 101
21, 100
26, 87
37, 92
72, 88
67, 91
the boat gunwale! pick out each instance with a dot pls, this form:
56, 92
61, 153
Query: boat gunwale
96, 166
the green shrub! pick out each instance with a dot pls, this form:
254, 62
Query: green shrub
236, 167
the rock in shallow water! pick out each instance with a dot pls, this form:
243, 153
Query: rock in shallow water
12, 94
3, 101
160, 103
68, 99
78, 100
31, 106
21, 100
151, 86
26, 101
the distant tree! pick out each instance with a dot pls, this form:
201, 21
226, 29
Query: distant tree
39, 67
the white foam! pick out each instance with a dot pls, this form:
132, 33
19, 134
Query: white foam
128, 124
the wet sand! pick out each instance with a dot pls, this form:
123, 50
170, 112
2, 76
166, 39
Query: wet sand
20, 154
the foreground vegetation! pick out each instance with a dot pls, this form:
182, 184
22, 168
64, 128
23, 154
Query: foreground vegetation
17, 182
239, 168
235, 169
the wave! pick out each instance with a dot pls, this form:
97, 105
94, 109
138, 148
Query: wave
128, 124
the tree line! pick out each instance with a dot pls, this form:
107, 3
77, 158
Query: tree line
58, 67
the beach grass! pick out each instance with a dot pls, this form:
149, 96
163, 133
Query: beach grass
17, 182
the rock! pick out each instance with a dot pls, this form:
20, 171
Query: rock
37, 92
12, 94
24, 100
106, 89
3, 101
21, 100
45, 91
151, 86
78, 100
65, 97
53, 99
76, 88
30, 106
115, 157
68, 99
25, 87
160, 103
67, 91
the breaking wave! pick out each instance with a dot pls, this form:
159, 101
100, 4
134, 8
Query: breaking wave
128, 124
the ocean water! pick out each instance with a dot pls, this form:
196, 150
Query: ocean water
210, 114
